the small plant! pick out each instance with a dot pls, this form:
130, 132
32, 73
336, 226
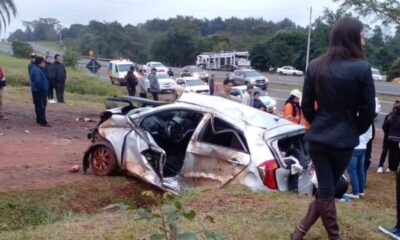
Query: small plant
71, 58
165, 216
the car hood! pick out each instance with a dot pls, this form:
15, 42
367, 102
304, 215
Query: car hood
195, 88
266, 100
256, 78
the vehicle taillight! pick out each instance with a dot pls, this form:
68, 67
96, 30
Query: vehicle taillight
267, 172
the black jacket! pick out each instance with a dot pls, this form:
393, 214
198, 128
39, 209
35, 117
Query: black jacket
392, 126
131, 80
258, 104
59, 72
345, 94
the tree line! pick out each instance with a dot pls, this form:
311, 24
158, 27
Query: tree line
177, 41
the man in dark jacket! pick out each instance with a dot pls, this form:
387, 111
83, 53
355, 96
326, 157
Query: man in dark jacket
60, 77
39, 87
392, 127
211, 84
131, 81
31, 63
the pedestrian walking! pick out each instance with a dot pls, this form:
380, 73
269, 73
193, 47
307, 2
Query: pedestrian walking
392, 127
2, 86
131, 81
39, 87
341, 82
292, 109
248, 98
60, 77
211, 85
50, 74
154, 84
142, 84
356, 167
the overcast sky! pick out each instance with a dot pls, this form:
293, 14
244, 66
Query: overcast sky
134, 11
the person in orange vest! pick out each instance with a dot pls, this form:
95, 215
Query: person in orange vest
292, 109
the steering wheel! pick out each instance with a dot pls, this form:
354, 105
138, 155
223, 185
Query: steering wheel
174, 131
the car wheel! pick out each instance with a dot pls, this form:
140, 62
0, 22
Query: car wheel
294, 74
103, 161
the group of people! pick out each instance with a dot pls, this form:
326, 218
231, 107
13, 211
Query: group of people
134, 79
45, 77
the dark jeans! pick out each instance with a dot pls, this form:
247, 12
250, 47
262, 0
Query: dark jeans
385, 149
398, 197
394, 155
40, 101
60, 91
131, 91
155, 96
143, 95
50, 93
330, 164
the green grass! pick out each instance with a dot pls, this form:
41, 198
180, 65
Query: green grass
50, 44
73, 212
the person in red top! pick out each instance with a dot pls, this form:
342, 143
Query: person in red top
292, 109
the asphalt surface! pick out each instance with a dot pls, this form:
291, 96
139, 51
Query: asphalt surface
278, 94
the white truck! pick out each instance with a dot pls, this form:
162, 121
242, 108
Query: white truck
117, 70
228, 61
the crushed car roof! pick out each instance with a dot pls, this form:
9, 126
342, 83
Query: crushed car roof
238, 111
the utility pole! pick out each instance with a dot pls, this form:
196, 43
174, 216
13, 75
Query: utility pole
60, 29
309, 40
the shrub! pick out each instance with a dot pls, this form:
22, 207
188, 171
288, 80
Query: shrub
71, 58
21, 49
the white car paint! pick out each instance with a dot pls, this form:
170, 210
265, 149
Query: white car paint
193, 85
165, 81
288, 70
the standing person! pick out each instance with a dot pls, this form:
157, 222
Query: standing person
31, 63
258, 103
50, 74
154, 85
227, 89
392, 127
60, 77
170, 72
211, 84
292, 109
131, 81
142, 84
248, 95
39, 87
385, 146
2, 85
356, 167
341, 82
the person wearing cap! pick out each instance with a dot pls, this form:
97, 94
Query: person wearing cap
154, 84
292, 109
248, 95
31, 63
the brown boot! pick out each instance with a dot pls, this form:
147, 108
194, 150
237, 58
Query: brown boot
306, 223
327, 210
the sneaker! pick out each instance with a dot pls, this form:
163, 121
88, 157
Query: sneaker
52, 101
392, 232
352, 196
388, 170
380, 170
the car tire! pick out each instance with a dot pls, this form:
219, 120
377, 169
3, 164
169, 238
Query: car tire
103, 160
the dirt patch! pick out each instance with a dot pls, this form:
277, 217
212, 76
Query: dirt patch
34, 156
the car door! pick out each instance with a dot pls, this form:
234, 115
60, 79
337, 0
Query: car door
216, 154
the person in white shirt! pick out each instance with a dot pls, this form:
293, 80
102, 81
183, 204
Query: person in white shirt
248, 95
356, 166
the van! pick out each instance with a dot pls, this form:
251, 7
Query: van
117, 70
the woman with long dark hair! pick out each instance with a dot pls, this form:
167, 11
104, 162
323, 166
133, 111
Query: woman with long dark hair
292, 109
341, 83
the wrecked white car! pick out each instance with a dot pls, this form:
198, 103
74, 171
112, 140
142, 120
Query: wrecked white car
200, 140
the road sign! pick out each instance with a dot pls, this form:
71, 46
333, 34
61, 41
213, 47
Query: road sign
93, 66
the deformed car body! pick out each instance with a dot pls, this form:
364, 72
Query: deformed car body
200, 140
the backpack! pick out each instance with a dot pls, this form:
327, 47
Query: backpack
2, 78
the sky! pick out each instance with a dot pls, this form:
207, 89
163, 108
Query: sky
134, 11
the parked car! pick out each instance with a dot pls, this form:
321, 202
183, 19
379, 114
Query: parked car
288, 70
244, 76
165, 81
117, 70
194, 71
200, 140
268, 101
193, 85
376, 75
157, 65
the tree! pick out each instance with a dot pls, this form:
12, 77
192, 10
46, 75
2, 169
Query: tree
7, 8
394, 71
377, 37
21, 49
71, 57
386, 10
